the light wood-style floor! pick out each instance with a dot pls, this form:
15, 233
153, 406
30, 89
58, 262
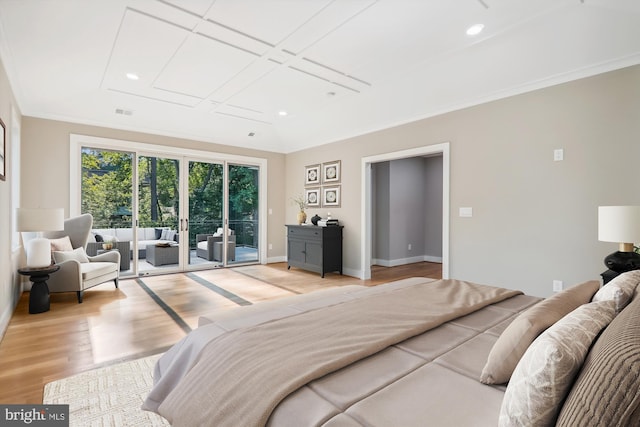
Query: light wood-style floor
144, 316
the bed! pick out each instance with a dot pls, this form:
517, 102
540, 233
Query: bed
413, 352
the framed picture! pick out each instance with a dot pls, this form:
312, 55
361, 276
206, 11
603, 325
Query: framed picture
312, 175
331, 172
312, 196
3, 153
331, 196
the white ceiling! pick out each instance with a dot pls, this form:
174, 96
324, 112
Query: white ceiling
218, 70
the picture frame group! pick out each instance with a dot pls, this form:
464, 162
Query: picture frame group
322, 187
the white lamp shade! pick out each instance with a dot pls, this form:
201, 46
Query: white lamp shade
619, 224
40, 219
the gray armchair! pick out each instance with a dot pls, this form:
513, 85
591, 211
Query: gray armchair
76, 275
209, 247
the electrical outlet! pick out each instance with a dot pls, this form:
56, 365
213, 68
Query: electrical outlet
557, 285
270, 246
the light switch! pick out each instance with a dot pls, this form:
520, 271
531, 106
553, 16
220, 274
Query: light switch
558, 155
466, 212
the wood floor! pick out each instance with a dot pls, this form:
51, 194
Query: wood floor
144, 316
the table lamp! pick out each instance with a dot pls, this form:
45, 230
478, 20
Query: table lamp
620, 224
38, 220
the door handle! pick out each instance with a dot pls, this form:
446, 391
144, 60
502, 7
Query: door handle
181, 224
187, 223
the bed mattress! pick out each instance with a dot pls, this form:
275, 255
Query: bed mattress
428, 379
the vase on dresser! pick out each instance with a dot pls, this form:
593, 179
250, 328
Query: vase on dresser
302, 217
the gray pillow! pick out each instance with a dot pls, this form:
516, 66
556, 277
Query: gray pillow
517, 337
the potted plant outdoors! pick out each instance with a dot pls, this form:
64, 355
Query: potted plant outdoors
107, 245
302, 203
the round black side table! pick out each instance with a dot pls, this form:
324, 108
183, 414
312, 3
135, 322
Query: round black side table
39, 295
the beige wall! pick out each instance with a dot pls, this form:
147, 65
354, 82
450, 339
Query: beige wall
535, 220
9, 259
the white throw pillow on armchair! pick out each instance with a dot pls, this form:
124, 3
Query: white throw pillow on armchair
77, 254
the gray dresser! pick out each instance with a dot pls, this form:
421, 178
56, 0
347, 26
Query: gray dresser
314, 248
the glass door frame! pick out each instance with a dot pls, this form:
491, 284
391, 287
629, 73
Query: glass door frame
186, 265
77, 142
136, 219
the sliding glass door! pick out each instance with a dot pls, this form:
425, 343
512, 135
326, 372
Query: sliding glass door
243, 191
159, 224
205, 188
107, 194
170, 212
223, 213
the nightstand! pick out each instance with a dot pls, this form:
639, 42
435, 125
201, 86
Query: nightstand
39, 294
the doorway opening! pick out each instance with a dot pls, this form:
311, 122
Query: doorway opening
371, 236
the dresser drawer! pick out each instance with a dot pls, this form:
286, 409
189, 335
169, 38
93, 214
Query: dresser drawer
310, 232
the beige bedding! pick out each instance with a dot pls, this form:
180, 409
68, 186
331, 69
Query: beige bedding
239, 377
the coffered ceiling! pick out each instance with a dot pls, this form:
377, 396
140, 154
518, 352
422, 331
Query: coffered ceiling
226, 71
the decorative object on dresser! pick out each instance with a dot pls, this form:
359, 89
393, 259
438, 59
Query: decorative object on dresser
620, 224
38, 249
301, 201
329, 222
317, 249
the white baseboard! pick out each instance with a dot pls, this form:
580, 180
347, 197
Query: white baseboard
4, 322
405, 261
272, 260
351, 272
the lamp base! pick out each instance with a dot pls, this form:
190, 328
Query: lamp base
621, 262
38, 253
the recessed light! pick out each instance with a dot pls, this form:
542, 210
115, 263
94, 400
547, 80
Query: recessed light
133, 76
282, 113
474, 30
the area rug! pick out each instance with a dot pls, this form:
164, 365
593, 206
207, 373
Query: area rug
109, 396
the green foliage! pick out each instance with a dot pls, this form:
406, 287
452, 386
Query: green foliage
107, 193
158, 194
106, 187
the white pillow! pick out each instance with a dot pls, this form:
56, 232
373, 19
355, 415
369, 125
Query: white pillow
61, 244
543, 377
77, 254
621, 289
